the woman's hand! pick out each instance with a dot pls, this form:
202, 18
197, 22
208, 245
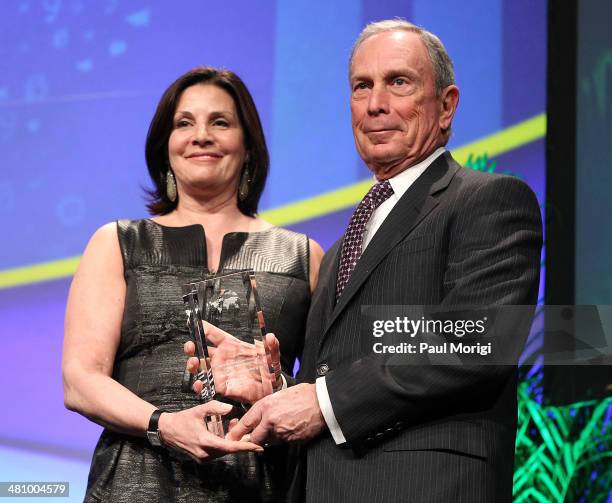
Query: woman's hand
186, 431
235, 365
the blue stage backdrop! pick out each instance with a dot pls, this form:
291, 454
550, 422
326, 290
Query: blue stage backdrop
79, 82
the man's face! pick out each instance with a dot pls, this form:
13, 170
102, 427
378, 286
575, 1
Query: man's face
397, 118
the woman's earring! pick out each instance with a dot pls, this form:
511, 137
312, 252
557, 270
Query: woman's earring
170, 186
245, 185
245, 181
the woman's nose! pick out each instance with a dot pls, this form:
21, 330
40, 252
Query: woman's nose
201, 135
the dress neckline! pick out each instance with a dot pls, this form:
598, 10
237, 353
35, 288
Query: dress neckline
204, 230
227, 236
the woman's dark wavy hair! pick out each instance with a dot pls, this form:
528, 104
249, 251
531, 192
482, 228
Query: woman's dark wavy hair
156, 148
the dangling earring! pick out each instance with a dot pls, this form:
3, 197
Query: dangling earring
245, 182
170, 186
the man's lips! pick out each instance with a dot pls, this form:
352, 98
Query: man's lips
379, 130
380, 135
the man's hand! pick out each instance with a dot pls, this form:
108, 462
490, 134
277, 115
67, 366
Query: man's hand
291, 415
235, 365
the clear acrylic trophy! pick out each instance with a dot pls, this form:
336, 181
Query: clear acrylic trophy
230, 301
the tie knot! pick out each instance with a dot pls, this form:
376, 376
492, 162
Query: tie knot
378, 194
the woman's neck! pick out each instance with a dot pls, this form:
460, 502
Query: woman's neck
218, 215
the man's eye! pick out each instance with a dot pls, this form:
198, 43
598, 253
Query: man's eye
400, 81
360, 86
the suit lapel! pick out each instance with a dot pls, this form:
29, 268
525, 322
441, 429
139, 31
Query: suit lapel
416, 203
325, 293
321, 307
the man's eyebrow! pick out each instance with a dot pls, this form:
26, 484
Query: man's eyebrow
401, 72
359, 76
393, 72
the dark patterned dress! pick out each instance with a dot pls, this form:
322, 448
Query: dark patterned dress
150, 362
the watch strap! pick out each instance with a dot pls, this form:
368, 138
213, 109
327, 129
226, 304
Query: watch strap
153, 429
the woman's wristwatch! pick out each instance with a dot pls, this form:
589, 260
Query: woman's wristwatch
153, 434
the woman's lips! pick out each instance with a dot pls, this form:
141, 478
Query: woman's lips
204, 156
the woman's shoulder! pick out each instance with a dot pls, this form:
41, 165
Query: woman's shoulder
305, 242
263, 226
133, 225
280, 238
132, 232
105, 235
102, 253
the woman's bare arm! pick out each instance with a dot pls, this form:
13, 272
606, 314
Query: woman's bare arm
92, 334
316, 255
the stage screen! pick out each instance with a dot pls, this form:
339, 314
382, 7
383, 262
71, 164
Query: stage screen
594, 153
79, 83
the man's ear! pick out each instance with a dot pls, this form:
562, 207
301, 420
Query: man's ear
449, 98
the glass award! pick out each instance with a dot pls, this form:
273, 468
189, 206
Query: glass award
229, 301
213, 422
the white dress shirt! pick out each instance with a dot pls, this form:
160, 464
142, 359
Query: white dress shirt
400, 184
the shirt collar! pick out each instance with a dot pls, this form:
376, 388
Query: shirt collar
402, 181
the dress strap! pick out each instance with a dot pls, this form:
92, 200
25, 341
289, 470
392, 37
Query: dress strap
144, 242
274, 250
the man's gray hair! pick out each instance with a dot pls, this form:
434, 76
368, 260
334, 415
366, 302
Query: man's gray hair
442, 64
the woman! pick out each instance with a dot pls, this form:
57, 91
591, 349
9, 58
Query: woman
125, 324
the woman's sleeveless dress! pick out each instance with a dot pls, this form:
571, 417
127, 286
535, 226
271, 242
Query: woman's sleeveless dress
158, 261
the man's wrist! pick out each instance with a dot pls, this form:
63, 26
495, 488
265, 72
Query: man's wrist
327, 411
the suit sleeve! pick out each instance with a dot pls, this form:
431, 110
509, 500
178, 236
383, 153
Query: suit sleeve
495, 238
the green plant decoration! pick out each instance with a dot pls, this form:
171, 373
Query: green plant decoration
481, 163
563, 454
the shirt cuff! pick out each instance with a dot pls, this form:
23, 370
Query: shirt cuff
328, 412
284, 385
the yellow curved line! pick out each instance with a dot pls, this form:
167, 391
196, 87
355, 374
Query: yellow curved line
495, 144
36, 273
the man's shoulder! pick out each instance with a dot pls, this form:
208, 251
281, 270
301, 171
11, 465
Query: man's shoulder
468, 180
469, 187
475, 177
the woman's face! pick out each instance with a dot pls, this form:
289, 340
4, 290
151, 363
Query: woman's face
206, 147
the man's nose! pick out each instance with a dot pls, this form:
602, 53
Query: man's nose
378, 102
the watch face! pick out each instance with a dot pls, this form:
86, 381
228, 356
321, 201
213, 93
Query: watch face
153, 437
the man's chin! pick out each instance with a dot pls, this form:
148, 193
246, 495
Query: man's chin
385, 171
384, 159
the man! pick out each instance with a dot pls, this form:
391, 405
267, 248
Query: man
429, 233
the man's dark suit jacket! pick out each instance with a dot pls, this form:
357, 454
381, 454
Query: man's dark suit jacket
457, 237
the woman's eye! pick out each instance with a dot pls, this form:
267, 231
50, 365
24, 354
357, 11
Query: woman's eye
221, 123
182, 123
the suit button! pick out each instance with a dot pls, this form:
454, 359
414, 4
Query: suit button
322, 369
379, 436
389, 431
